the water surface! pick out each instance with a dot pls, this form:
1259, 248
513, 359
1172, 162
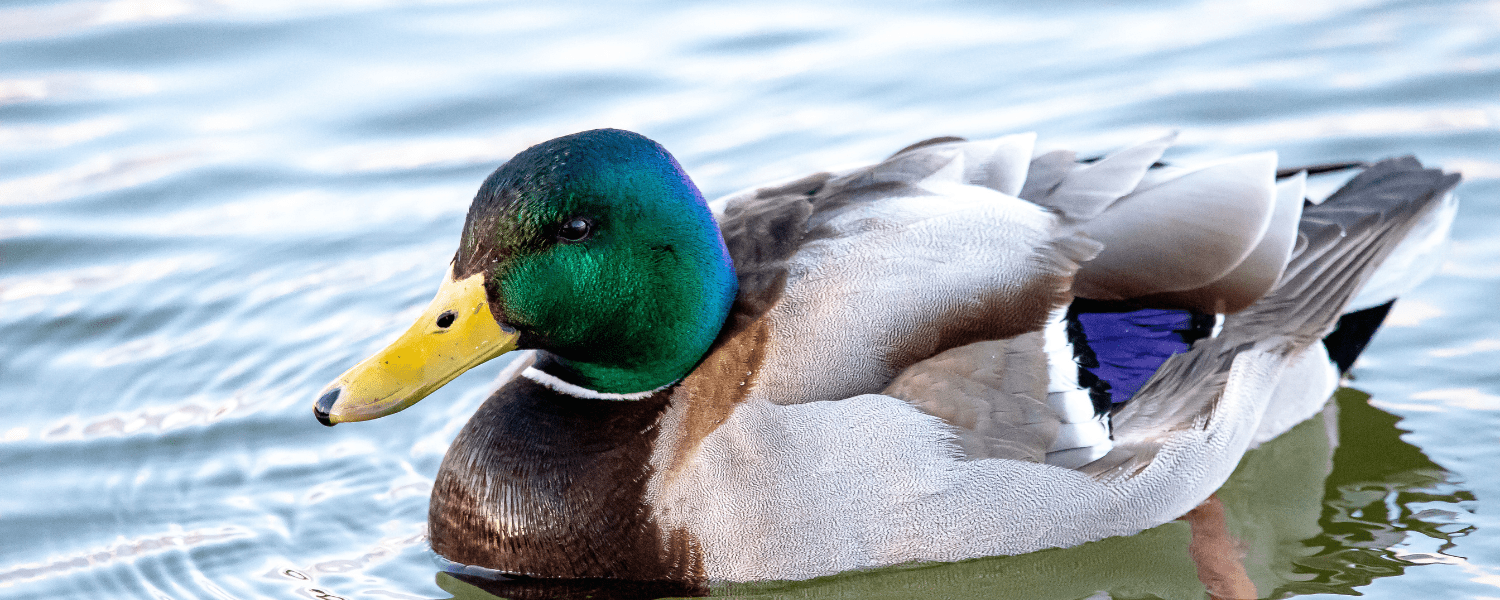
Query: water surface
208, 209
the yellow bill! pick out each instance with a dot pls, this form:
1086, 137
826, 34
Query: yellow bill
456, 333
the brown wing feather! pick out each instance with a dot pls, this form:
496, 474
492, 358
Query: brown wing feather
993, 393
762, 233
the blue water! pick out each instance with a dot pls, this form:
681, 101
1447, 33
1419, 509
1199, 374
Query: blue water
208, 209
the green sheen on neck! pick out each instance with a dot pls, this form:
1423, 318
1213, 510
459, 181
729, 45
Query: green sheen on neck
636, 304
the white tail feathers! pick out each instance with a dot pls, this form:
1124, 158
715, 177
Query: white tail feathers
1417, 258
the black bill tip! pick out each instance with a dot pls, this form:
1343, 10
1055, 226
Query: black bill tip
324, 406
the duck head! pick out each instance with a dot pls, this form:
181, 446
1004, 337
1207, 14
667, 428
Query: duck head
595, 247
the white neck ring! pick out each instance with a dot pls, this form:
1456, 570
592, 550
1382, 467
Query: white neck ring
578, 391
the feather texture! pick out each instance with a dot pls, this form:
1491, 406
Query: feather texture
941, 448
1182, 234
894, 382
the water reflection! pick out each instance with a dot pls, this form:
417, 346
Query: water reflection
469, 587
1383, 497
1334, 504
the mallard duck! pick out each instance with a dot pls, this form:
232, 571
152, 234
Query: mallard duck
970, 348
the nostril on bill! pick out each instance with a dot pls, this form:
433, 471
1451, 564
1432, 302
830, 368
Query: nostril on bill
324, 406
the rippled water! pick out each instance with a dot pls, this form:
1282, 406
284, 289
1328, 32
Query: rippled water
208, 209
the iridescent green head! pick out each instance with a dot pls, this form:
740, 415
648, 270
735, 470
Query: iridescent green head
595, 247
598, 248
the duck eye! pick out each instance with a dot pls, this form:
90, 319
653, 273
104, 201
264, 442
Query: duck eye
575, 230
445, 320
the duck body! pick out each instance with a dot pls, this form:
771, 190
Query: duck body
968, 349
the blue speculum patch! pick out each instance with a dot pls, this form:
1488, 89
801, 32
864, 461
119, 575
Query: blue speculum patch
1118, 348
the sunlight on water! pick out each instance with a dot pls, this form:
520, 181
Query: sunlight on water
209, 208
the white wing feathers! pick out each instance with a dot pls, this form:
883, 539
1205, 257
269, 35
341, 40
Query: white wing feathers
1182, 234
926, 244
1086, 190
1259, 271
999, 164
1212, 238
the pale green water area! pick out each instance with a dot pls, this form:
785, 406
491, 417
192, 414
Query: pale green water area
210, 208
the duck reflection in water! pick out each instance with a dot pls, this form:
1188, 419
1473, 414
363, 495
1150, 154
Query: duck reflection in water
1217, 553
474, 587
